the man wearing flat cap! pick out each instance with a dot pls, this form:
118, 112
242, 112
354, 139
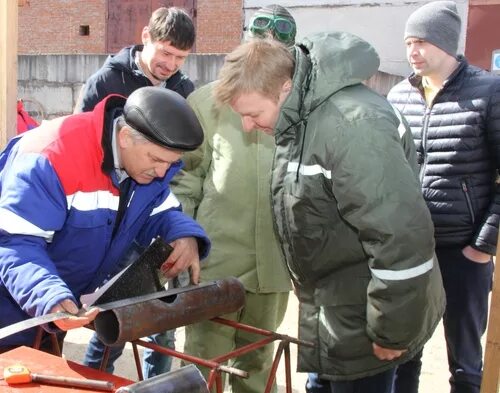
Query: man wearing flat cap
78, 190
453, 109
166, 43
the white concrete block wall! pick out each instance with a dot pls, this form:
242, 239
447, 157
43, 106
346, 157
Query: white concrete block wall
53, 82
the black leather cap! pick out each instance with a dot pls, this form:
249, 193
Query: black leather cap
164, 117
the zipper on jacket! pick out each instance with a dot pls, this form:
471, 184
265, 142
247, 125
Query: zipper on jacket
423, 142
468, 199
281, 227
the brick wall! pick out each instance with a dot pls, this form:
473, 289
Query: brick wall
220, 25
52, 26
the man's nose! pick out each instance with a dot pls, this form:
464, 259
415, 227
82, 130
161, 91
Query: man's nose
412, 49
161, 170
248, 124
171, 63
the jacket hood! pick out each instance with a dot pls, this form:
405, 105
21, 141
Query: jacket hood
338, 60
324, 64
124, 60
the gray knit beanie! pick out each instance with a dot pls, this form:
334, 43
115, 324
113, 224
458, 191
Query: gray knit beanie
437, 22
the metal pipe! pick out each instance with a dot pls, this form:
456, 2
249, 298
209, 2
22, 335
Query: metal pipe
186, 379
131, 322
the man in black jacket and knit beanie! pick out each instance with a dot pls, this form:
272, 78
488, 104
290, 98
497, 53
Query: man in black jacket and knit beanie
453, 109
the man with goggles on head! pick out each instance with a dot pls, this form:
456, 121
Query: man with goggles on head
274, 21
229, 177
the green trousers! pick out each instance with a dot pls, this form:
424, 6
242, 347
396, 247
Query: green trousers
209, 340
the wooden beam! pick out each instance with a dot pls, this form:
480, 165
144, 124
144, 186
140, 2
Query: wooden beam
8, 70
491, 370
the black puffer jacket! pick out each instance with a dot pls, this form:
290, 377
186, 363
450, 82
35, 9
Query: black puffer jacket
458, 144
120, 75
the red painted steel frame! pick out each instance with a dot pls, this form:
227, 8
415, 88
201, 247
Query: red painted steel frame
215, 366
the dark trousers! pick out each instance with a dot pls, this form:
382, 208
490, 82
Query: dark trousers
379, 383
408, 375
467, 285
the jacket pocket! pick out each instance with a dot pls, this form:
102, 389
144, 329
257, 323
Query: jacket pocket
466, 189
344, 289
88, 219
342, 319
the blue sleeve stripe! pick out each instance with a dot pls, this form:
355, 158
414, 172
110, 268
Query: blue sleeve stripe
88, 201
170, 202
16, 225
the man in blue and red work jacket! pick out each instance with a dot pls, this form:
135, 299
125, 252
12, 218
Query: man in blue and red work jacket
78, 190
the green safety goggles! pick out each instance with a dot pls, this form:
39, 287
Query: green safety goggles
283, 29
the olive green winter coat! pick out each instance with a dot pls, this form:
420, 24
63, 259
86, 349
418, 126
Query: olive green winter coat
355, 231
225, 185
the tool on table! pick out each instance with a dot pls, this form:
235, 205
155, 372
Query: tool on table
18, 374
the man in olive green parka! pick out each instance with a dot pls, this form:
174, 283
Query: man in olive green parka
353, 226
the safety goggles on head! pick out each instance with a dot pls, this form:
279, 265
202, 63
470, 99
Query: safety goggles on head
282, 28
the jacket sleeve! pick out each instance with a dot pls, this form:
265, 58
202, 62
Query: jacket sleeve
379, 196
486, 236
407, 142
188, 184
93, 91
168, 221
186, 86
32, 209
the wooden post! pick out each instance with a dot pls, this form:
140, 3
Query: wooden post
8, 70
491, 370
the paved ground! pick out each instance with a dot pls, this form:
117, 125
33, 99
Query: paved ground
434, 377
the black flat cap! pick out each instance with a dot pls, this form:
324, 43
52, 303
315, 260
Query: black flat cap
164, 117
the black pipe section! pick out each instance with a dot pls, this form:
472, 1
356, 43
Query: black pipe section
186, 379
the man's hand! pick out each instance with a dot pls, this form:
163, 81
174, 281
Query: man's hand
385, 353
475, 255
81, 318
184, 256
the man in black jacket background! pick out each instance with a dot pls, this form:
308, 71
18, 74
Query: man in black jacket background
167, 41
453, 109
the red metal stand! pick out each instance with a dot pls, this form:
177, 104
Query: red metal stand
215, 365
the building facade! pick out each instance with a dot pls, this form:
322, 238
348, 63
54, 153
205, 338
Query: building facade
105, 26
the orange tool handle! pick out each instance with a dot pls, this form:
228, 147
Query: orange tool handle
18, 374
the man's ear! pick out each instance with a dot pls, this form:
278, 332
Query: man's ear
123, 137
287, 86
145, 36
285, 91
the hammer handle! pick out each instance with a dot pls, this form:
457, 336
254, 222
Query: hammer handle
73, 382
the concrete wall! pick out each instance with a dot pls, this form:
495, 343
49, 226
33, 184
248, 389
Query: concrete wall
379, 22
51, 83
